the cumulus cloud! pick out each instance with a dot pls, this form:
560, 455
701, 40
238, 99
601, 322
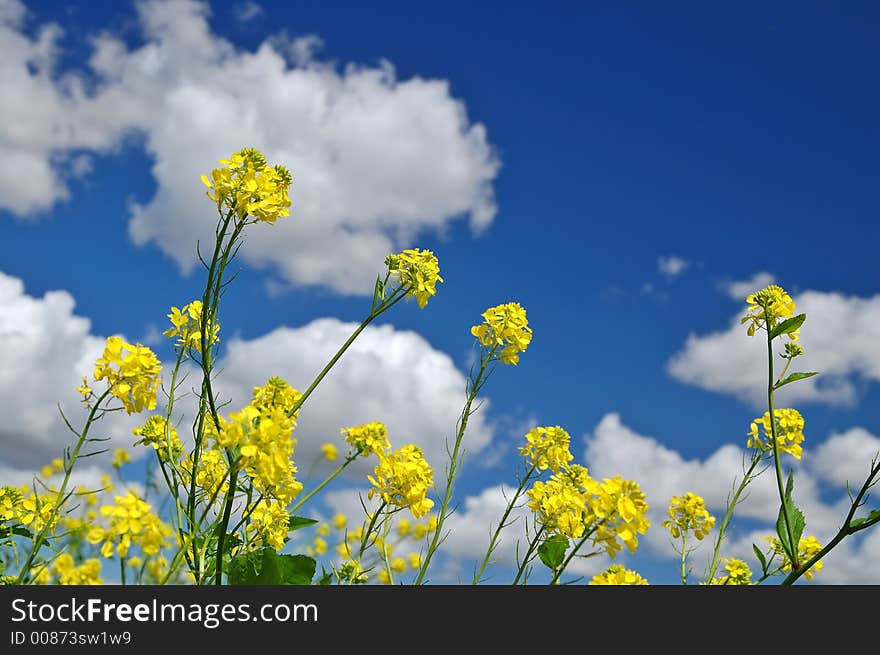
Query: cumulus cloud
387, 375
739, 289
46, 349
672, 266
842, 341
376, 160
614, 448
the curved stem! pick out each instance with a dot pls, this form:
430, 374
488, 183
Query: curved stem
528, 556
339, 469
558, 573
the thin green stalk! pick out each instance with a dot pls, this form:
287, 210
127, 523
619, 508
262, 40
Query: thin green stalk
747, 478
366, 535
62, 491
558, 573
224, 523
533, 544
453, 466
776, 464
122, 570
502, 524
328, 479
684, 575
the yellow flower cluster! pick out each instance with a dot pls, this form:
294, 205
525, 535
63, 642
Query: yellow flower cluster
269, 523
247, 185
402, 478
738, 573
186, 325
618, 575
212, 475
505, 327
766, 307
329, 451
418, 271
789, 432
807, 548
31, 509
132, 371
571, 503
547, 448
262, 433
56, 466
162, 436
688, 513
368, 438
87, 573
120, 457
131, 521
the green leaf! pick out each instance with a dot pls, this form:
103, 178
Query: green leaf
22, 532
788, 326
325, 579
552, 551
873, 517
761, 559
266, 567
795, 520
794, 377
300, 522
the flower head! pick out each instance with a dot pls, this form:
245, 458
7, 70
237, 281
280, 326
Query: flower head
688, 513
403, 478
120, 457
162, 436
87, 573
547, 447
738, 573
247, 185
807, 548
269, 523
186, 325
131, 521
618, 575
789, 426
505, 330
418, 271
368, 438
329, 451
132, 371
766, 307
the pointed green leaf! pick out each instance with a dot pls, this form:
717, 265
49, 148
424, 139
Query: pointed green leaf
788, 326
266, 567
552, 551
872, 518
794, 377
796, 521
761, 559
299, 522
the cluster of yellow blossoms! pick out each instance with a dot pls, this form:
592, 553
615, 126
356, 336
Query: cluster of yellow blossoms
87, 573
504, 327
247, 185
418, 271
547, 448
131, 521
618, 575
132, 371
269, 523
688, 513
30, 509
807, 548
738, 573
162, 436
573, 504
186, 325
367, 439
402, 478
766, 307
789, 432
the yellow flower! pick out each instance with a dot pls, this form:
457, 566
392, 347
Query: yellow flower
789, 432
766, 307
415, 561
504, 327
319, 545
561, 503
85, 390
431, 523
329, 451
618, 575
246, 185
131, 521
162, 436
322, 530
269, 523
398, 565
41, 574
738, 573
368, 438
186, 325
340, 521
418, 271
688, 513
403, 479
383, 577
807, 548
547, 447
57, 465
403, 527
87, 573
120, 457
132, 371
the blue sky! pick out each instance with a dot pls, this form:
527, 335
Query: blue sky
615, 169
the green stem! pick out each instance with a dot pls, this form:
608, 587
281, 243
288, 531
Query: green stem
453, 467
716, 556
776, 465
224, 523
339, 469
60, 497
366, 536
528, 556
684, 575
558, 572
502, 524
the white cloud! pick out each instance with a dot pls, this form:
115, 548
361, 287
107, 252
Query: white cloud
614, 448
739, 289
842, 341
376, 160
247, 11
672, 266
845, 457
46, 349
387, 375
